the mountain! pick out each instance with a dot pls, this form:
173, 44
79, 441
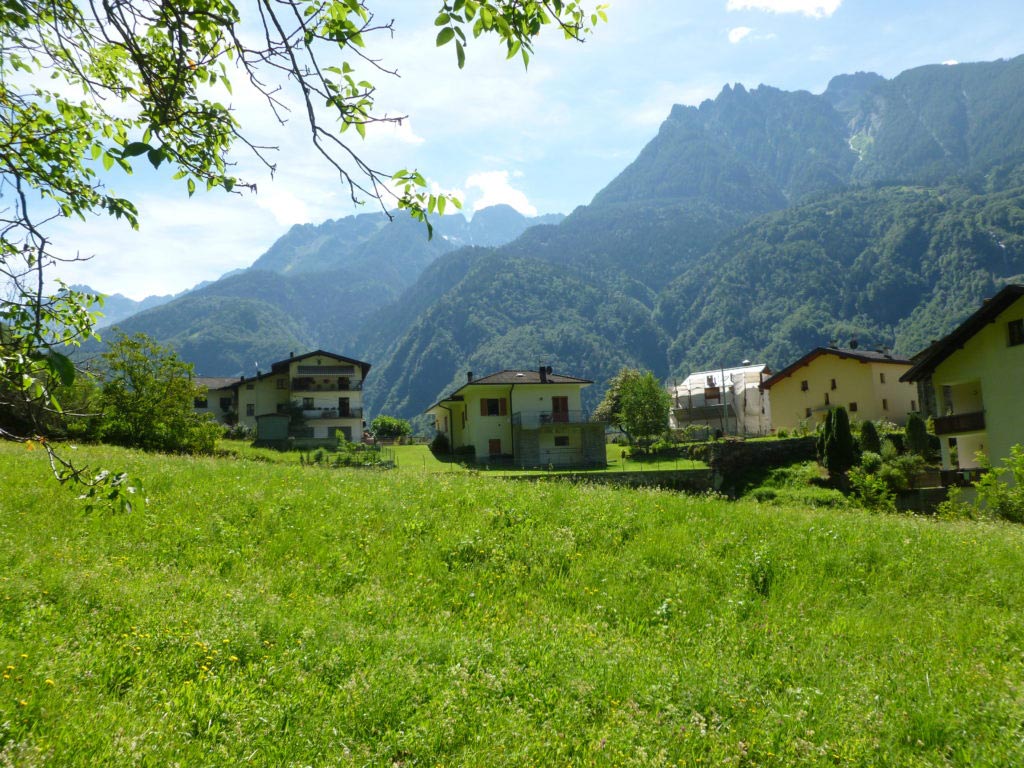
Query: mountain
117, 306
756, 225
313, 288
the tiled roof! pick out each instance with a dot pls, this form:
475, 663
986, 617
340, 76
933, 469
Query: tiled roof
863, 355
509, 377
215, 382
928, 359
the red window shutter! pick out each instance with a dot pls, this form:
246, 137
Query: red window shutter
502, 407
483, 407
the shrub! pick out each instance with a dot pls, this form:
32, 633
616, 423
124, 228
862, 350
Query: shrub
837, 450
917, 435
997, 496
440, 444
869, 440
870, 461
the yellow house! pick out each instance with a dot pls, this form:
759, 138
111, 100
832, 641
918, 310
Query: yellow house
529, 418
326, 387
976, 376
865, 382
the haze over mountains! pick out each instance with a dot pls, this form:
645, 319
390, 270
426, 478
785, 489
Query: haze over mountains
755, 226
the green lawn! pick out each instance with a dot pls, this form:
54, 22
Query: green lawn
419, 457
271, 614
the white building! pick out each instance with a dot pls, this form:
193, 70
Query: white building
726, 400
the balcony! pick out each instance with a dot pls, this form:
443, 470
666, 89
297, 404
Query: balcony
960, 423
541, 419
312, 385
315, 414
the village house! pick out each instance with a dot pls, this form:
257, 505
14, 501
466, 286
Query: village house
528, 418
321, 391
972, 382
726, 400
865, 382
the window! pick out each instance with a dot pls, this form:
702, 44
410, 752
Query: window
807, 412
1016, 330
881, 378
561, 441
885, 404
913, 405
250, 386
282, 383
307, 403
803, 386
250, 409
827, 402
853, 408
833, 383
493, 406
199, 402
225, 403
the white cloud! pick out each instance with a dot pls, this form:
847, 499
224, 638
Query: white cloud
817, 9
738, 33
495, 189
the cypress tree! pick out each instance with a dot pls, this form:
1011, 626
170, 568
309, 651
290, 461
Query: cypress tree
869, 440
840, 450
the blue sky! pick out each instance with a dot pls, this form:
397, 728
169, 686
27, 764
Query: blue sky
543, 140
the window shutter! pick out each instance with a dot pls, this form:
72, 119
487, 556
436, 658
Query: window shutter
483, 407
502, 407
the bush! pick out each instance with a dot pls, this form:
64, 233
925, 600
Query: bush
917, 435
440, 444
996, 496
869, 440
870, 462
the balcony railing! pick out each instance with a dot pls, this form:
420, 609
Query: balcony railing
539, 419
309, 385
312, 414
959, 423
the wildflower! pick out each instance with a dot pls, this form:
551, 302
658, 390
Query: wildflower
49, 681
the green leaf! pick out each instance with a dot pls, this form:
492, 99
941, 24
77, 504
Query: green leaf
62, 367
156, 156
191, 184
135, 148
460, 54
445, 36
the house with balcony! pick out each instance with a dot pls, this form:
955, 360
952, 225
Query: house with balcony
865, 382
972, 381
314, 396
726, 400
525, 418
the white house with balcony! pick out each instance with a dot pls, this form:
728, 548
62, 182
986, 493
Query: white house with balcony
525, 418
317, 395
726, 400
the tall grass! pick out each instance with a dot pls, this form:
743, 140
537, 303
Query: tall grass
279, 615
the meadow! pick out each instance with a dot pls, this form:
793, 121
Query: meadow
261, 613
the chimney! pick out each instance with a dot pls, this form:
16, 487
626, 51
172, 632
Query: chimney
543, 374
291, 354
469, 377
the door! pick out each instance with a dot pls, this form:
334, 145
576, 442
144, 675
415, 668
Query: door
560, 409
343, 410
494, 446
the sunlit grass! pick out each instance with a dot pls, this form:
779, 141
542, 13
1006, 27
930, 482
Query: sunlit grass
269, 614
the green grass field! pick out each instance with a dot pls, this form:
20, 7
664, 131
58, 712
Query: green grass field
269, 614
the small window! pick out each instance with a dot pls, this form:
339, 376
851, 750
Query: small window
803, 386
881, 378
827, 401
199, 402
282, 383
250, 386
833, 383
250, 409
307, 403
561, 441
853, 408
807, 412
885, 404
225, 403
493, 406
1016, 329
913, 405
